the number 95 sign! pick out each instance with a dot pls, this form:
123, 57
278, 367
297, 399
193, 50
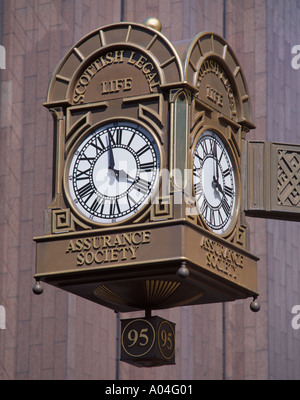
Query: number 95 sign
148, 342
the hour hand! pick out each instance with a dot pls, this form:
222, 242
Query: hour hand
216, 185
123, 175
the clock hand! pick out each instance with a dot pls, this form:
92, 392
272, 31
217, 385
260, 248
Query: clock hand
122, 174
216, 177
216, 185
215, 182
111, 160
219, 187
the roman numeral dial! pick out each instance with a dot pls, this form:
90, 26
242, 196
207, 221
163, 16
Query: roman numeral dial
112, 173
214, 181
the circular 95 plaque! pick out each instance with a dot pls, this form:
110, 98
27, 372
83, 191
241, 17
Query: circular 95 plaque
138, 337
166, 339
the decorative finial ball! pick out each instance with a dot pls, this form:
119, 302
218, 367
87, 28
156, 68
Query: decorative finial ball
255, 306
153, 22
183, 271
37, 288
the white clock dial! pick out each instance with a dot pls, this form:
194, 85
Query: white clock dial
214, 182
113, 172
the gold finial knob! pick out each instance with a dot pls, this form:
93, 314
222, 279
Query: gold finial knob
153, 22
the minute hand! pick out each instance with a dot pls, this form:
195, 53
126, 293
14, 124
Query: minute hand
111, 160
216, 177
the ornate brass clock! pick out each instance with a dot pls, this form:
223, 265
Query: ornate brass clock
215, 182
132, 114
112, 173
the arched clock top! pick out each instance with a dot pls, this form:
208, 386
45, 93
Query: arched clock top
213, 69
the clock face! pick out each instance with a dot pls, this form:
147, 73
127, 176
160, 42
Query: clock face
214, 181
113, 172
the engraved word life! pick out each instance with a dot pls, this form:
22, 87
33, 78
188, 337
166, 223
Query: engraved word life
212, 67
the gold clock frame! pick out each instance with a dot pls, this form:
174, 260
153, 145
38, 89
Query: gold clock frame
70, 154
235, 221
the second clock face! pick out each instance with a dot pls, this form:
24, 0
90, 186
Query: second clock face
113, 172
215, 185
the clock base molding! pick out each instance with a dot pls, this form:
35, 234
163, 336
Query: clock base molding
139, 267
